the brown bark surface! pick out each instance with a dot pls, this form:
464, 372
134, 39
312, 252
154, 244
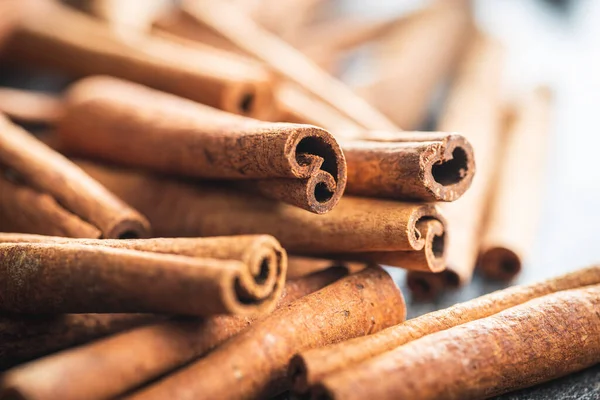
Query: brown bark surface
310, 367
299, 267
127, 123
31, 164
252, 365
32, 107
541, 340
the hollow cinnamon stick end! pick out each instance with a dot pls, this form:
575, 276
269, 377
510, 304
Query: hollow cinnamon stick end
130, 227
251, 99
500, 263
427, 286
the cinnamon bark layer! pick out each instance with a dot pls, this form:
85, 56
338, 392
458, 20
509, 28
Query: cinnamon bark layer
252, 365
356, 225
543, 339
45, 35
32, 107
310, 367
240, 275
43, 192
409, 166
473, 109
137, 126
131, 358
513, 215
299, 267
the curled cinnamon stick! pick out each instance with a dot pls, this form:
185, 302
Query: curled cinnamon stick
51, 34
299, 267
310, 367
32, 107
356, 225
80, 206
126, 360
531, 343
300, 164
252, 365
513, 214
409, 166
242, 276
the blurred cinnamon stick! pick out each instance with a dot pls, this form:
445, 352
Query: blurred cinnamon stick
127, 123
511, 225
252, 365
299, 267
30, 107
43, 192
133, 15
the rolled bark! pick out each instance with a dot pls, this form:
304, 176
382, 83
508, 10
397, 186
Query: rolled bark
299, 267
133, 15
513, 215
45, 36
127, 123
409, 166
474, 110
310, 367
356, 225
31, 107
64, 276
426, 45
252, 365
80, 205
23, 337
541, 340
283, 59
131, 358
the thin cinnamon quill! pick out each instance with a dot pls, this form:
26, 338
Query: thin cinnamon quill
127, 123
531, 343
46, 35
126, 360
252, 365
355, 226
31, 107
43, 192
288, 62
512, 217
473, 109
311, 367
409, 165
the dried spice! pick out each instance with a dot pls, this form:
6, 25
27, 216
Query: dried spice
32, 107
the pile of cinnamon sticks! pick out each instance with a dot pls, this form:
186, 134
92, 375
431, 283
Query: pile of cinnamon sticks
207, 209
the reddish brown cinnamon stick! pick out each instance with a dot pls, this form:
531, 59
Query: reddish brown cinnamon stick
299, 267
171, 134
25, 106
356, 225
129, 359
80, 205
45, 35
310, 367
252, 365
531, 343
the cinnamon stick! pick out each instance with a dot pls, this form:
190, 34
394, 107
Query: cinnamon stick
50, 275
299, 164
126, 360
311, 367
46, 35
512, 217
355, 226
286, 61
299, 267
32, 107
133, 15
543, 339
80, 206
409, 166
252, 365
473, 109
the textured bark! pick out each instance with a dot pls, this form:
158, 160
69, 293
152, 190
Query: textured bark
136, 126
252, 365
45, 36
299, 267
129, 359
32, 107
309, 368
29, 169
531, 343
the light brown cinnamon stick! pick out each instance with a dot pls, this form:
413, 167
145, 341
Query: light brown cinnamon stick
27, 106
474, 110
512, 217
126, 360
238, 28
133, 15
80, 206
299, 267
169, 134
45, 35
531, 343
311, 367
356, 225
252, 365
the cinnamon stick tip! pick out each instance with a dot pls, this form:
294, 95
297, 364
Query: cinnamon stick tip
427, 286
133, 227
500, 263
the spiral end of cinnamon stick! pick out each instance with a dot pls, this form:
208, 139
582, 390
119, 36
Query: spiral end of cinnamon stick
500, 263
428, 286
253, 99
134, 227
